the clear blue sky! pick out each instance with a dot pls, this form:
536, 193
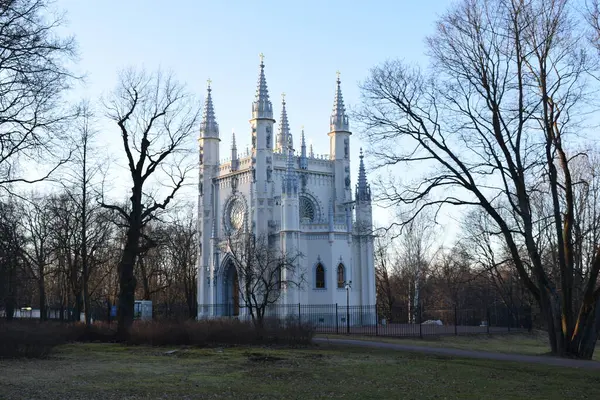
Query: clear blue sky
304, 42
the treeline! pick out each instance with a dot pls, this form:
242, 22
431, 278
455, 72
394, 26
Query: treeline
42, 255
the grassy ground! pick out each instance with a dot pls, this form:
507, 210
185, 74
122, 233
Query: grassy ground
104, 371
527, 344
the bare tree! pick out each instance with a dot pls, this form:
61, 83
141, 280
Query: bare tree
81, 184
415, 249
33, 78
39, 250
155, 117
11, 260
490, 125
182, 248
387, 292
264, 272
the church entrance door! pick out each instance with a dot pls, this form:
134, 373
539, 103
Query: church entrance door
232, 292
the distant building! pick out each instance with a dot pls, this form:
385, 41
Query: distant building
303, 202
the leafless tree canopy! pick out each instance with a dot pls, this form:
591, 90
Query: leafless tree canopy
493, 123
33, 76
264, 271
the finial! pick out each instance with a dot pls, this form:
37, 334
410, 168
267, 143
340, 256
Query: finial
262, 58
283, 97
338, 73
361, 153
208, 82
302, 127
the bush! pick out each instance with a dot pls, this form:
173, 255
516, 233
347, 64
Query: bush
36, 339
33, 339
218, 332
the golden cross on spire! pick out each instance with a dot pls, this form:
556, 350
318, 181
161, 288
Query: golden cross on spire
302, 127
338, 73
208, 82
283, 96
262, 57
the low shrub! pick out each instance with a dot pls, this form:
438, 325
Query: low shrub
218, 332
33, 339
36, 339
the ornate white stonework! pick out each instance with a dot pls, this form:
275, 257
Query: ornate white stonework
303, 202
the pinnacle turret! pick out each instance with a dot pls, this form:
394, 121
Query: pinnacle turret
284, 128
234, 153
262, 107
209, 126
363, 189
290, 180
339, 119
303, 160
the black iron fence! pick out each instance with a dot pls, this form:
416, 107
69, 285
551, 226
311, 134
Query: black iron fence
338, 319
370, 320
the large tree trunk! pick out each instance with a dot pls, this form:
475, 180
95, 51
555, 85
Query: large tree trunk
42, 296
78, 306
127, 281
125, 314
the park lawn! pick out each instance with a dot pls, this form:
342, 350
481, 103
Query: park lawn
112, 371
534, 344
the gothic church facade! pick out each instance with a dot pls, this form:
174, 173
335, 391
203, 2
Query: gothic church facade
302, 202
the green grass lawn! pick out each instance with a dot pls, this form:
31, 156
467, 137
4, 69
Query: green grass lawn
107, 371
527, 344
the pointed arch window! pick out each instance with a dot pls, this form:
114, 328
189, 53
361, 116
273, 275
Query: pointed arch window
341, 276
320, 276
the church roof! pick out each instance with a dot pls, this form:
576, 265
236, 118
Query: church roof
209, 126
262, 107
339, 119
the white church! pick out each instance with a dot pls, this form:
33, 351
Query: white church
300, 201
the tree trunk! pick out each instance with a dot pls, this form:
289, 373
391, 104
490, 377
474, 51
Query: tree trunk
127, 281
78, 306
42, 296
9, 301
127, 284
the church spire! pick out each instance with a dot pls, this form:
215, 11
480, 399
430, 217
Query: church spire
209, 126
290, 180
303, 160
284, 128
363, 189
339, 119
262, 107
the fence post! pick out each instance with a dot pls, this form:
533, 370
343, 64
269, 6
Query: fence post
455, 321
299, 315
347, 319
376, 322
336, 319
420, 309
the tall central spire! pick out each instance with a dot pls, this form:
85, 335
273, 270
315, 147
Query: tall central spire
363, 189
209, 126
284, 128
339, 119
262, 107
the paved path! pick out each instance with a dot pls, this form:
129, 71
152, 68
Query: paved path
561, 362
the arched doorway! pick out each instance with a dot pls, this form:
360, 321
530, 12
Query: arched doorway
231, 291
